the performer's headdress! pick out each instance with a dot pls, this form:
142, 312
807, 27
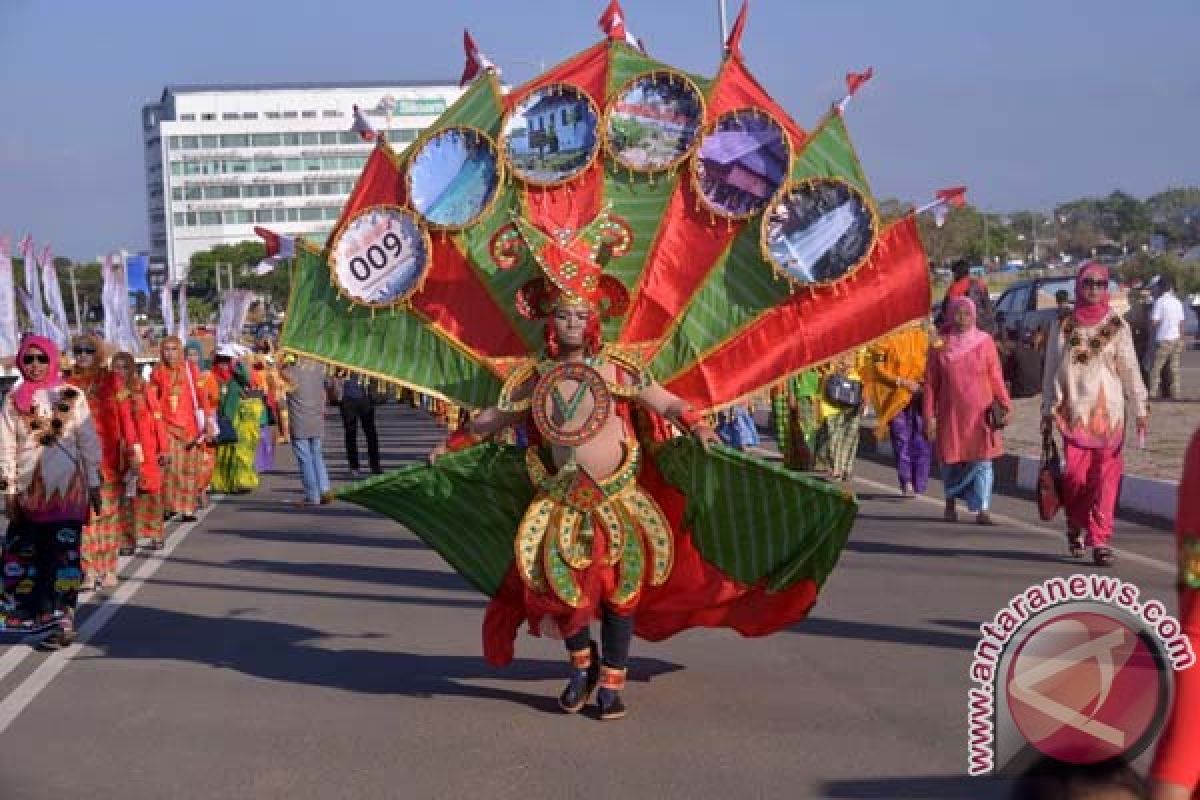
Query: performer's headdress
571, 272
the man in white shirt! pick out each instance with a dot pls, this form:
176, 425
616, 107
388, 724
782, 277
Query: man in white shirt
1166, 320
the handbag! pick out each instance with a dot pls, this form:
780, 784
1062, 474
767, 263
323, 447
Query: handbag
843, 391
1049, 481
997, 416
226, 433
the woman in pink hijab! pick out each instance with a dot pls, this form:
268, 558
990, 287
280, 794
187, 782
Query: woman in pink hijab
1092, 385
963, 383
49, 474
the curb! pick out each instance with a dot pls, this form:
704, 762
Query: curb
1147, 497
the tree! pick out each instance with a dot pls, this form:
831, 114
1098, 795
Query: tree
1144, 266
243, 256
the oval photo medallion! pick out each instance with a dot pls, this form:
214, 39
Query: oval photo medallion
453, 177
818, 231
550, 136
381, 256
653, 120
742, 161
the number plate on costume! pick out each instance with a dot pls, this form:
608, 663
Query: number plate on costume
547, 396
381, 256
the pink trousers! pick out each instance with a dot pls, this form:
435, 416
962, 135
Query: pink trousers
1091, 480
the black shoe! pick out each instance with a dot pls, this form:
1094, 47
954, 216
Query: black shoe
156, 544
168, 516
188, 518
126, 550
610, 703
581, 684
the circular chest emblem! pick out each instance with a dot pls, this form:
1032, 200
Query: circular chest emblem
571, 403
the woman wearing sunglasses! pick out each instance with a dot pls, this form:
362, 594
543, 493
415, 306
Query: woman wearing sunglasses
50, 475
103, 532
1091, 384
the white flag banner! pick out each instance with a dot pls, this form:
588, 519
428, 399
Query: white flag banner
112, 321
8, 310
33, 287
235, 305
185, 325
168, 310
38, 322
52, 292
127, 337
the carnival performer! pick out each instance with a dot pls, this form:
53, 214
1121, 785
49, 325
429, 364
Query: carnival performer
185, 418
898, 364
146, 446
794, 405
265, 378
208, 392
838, 434
239, 416
588, 485
1176, 768
964, 389
50, 476
1092, 384
103, 534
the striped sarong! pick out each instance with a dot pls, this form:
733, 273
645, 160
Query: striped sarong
142, 518
180, 480
103, 533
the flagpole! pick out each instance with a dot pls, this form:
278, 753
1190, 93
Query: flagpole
75, 299
721, 20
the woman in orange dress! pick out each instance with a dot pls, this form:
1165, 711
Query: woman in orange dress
209, 394
147, 448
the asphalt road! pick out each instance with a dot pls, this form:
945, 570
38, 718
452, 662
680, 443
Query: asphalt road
274, 653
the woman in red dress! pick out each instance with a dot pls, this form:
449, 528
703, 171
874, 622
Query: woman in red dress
146, 447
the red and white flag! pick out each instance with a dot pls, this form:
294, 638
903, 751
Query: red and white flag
477, 62
363, 127
612, 24
854, 82
279, 247
944, 200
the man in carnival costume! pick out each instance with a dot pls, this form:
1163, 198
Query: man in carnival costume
581, 545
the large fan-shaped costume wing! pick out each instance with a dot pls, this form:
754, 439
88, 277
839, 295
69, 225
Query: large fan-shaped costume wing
728, 249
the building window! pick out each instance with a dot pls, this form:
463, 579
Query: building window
310, 214
209, 142
187, 117
329, 113
238, 217
312, 164
293, 214
264, 215
177, 194
272, 115
329, 137
261, 190
193, 193
291, 140
308, 114
208, 218
173, 143
189, 142
268, 165
289, 115
208, 117
221, 192
288, 190
332, 212
250, 115
349, 137
309, 138
235, 140
265, 140
293, 164
231, 115
179, 218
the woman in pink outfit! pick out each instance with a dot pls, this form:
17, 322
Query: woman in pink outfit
1091, 384
963, 381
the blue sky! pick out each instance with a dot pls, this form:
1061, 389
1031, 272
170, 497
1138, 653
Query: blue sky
1028, 102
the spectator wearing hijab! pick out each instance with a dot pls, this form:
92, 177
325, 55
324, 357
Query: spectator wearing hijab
1092, 384
963, 386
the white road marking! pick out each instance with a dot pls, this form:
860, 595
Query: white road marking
25, 693
1012, 522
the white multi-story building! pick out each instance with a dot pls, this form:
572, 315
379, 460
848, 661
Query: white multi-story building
222, 159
